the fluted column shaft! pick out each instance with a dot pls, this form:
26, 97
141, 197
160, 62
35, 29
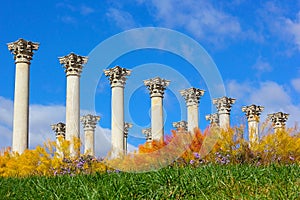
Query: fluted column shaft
117, 77
23, 52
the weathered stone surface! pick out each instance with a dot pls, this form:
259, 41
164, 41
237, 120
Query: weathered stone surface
181, 125
156, 86
89, 123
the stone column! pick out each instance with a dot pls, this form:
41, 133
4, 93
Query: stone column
73, 65
148, 134
252, 113
127, 126
60, 131
278, 120
157, 87
117, 77
213, 119
181, 126
192, 97
223, 105
89, 123
23, 53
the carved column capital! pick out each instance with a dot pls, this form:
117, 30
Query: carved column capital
213, 118
73, 64
156, 86
181, 125
223, 104
117, 76
278, 119
89, 121
192, 95
253, 112
22, 50
59, 129
127, 126
148, 133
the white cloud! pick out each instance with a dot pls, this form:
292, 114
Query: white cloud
293, 28
273, 96
261, 66
40, 119
296, 84
200, 18
122, 19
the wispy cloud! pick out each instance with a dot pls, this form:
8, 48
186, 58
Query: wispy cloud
261, 66
122, 19
200, 18
273, 96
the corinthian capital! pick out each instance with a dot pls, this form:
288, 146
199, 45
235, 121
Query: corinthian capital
127, 126
147, 132
180, 126
59, 129
223, 104
192, 96
117, 76
73, 63
252, 112
22, 50
156, 86
89, 121
212, 118
278, 119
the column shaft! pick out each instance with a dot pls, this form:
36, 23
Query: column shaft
224, 120
89, 142
157, 119
253, 131
117, 124
21, 108
73, 111
192, 117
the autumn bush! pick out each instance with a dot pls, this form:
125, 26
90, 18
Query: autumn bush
213, 146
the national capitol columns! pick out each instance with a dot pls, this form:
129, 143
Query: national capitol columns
23, 53
117, 77
73, 65
156, 88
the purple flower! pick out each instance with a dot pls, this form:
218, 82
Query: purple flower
192, 162
196, 155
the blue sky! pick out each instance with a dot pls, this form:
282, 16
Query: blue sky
255, 46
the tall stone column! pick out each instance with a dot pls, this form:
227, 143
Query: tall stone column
213, 119
278, 120
89, 123
23, 53
117, 77
148, 134
60, 131
73, 65
127, 126
157, 87
181, 126
192, 98
223, 105
252, 113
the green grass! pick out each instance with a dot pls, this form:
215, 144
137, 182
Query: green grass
207, 182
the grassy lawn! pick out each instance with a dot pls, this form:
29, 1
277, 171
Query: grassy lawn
207, 182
